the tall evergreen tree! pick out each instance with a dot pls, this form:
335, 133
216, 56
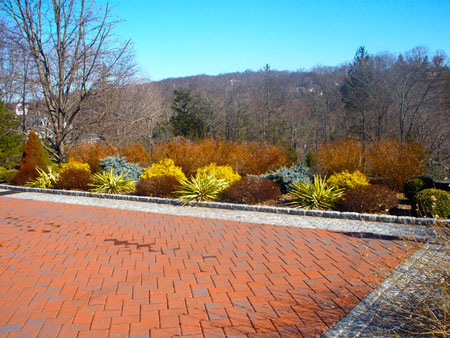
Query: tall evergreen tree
357, 91
11, 141
191, 114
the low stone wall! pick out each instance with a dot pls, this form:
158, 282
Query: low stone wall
230, 206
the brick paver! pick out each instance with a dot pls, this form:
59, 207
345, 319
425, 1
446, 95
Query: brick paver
79, 271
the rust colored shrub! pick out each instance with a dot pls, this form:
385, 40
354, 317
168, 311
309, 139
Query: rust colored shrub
91, 153
368, 199
337, 156
244, 157
158, 186
252, 190
74, 179
136, 153
34, 155
396, 162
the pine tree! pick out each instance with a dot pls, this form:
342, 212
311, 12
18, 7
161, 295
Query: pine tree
357, 91
190, 115
11, 141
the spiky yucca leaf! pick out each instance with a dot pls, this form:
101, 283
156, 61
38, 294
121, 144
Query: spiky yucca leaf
315, 195
107, 183
203, 187
46, 179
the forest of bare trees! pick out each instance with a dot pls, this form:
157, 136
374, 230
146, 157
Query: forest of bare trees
61, 64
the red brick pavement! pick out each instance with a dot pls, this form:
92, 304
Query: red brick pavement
78, 271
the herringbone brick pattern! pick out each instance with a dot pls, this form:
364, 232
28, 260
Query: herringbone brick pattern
77, 271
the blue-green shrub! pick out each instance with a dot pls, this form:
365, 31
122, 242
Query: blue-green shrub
119, 165
285, 177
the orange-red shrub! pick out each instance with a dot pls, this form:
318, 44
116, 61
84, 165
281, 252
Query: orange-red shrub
136, 153
245, 157
34, 155
158, 186
91, 153
396, 162
337, 156
252, 190
368, 198
74, 179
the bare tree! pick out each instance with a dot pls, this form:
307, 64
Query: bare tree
74, 53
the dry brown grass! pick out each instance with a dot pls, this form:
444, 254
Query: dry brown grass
421, 308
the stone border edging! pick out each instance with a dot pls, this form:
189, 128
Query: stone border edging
359, 319
242, 207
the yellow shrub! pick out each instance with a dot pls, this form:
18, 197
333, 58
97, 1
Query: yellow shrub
223, 172
348, 180
75, 165
164, 167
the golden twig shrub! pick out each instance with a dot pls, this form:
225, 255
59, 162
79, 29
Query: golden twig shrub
91, 153
244, 157
136, 153
396, 162
337, 156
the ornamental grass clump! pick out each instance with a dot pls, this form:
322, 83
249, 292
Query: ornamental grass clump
106, 182
347, 180
203, 187
315, 195
47, 179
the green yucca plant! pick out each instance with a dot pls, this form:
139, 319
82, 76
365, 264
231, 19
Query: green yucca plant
46, 179
107, 183
203, 187
315, 195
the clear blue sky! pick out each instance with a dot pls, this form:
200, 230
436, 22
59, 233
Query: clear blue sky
176, 38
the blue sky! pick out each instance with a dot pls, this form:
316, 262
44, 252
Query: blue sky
176, 38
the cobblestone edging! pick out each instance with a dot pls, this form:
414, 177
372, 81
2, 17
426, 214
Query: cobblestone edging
242, 207
367, 320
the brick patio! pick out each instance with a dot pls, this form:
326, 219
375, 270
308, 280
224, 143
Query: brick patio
75, 271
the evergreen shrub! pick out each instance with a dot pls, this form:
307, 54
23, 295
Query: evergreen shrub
34, 156
119, 165
164, 167
414, 185
347, 180
285, 177
433, 203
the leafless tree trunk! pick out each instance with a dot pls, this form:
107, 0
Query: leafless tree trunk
72, 49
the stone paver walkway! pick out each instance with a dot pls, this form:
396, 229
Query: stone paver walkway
75, 271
